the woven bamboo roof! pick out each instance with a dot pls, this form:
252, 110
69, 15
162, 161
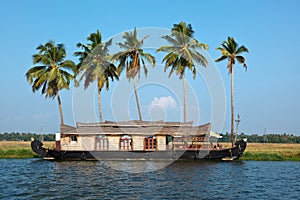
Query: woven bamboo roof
137, 128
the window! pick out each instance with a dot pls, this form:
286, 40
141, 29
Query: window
195, 142
101, 142
169, 142
126, 142
150, 143
200, 138
73, 138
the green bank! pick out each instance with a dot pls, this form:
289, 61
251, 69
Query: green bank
17, 153
262, 156
19, 149
257, 156
254, 151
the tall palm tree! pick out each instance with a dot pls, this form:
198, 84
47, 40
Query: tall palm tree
95, 66
231, 51
132, 59
182, 53
52, 73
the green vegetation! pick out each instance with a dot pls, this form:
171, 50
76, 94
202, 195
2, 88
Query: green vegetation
269, 157
94, 63
17, 153
272, 152
181, 55
19, 149
231, 51
17, 145
133, 58
254, 151
267, 138
51, 73
25, 136
273, 138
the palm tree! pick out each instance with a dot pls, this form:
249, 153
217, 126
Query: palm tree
132, 58
182, 53
52, 73
95, 66
231, 51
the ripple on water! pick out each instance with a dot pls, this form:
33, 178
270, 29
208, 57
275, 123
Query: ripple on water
38, 179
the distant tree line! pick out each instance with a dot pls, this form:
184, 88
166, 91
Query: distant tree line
16, 136
266, 138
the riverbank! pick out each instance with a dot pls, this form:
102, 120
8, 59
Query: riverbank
270, 151
254, 151
19, 149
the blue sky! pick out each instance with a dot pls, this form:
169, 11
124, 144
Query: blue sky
267, 95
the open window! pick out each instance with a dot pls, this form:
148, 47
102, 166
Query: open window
169, 141
126, 143
73, 138
150, 143
101, 142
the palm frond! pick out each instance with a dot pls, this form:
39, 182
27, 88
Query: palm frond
202, 46
49, 75
150, 58
34, 72
42, 59
242, 49
70, 65
183, 51
144, 67
242, 61
230, 50
171, 40
199, 58
168, 49
133, 55
39, 81
221, 58
170, 58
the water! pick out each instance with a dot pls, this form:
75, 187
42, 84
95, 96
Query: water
39, 179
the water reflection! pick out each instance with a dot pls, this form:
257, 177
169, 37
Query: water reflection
136, 166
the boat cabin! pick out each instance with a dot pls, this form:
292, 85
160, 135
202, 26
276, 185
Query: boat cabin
133, 136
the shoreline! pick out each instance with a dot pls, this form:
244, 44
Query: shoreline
254, 151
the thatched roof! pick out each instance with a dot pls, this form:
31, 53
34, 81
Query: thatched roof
138, 128
67, 129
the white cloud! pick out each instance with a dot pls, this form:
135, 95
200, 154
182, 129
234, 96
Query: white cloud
164, 102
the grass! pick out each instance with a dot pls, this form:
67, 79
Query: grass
17, 153
19, 149
272, 151
254, 151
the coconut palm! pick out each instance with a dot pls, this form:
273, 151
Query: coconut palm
95, 66
132, 59
52, 72
183, 53
231, 51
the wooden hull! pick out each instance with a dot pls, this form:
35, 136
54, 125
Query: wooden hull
195, 154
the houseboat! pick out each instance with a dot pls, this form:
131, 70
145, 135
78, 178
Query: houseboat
137, 140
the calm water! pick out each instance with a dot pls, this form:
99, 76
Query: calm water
39, 179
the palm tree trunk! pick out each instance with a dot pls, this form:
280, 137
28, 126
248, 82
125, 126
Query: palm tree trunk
232, 106
60, 109
137, 100
184, 98
99, 105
